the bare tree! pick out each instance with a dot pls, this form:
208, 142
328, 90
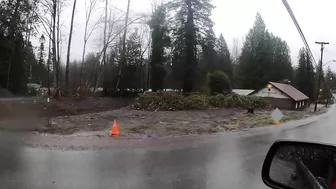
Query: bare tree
51, 28
110, 38
106, 44
123, 53
55, 64
48, 61
104, 54
145, 45
87, 34
58, 35
69, 46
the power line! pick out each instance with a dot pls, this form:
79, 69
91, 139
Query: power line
299, 30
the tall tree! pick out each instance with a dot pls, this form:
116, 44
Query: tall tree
254, 61
41, 50
224, 58
305, 76
192, 17
160, 41
130, 78
326, 93
41, 57
331, 79
87, 34
208, 58
281, 67
123, 52
69, 46
264, 58
104, 54
54, 50
17, 20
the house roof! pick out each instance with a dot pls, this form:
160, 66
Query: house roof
291, 91
243, 92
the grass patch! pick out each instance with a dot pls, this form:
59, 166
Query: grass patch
262, 119
291, 117
253, 119
140, 129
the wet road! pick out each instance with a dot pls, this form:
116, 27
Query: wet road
228, 161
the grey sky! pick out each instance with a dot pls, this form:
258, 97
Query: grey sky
234, 18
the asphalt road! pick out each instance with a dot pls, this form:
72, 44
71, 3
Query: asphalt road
228, 161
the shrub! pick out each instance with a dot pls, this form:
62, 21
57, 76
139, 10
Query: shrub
160, 101
172, 101
196, 101
217, 101
218, 82
234, 100
255, 102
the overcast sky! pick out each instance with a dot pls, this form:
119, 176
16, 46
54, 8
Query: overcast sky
234, 18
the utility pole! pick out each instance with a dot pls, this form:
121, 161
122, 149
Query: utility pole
319, 72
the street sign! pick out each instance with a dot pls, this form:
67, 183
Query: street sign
277, 115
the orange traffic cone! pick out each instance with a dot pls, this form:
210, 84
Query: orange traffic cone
114, 131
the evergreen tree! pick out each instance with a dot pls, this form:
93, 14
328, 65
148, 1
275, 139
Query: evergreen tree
224, 61
193, 20
178, 46
264, 58
326, 92
16, 23
41, 50
160, 41
281, 66
311, 78
255, 60
130, 77
331, 79
304, 76
209, 58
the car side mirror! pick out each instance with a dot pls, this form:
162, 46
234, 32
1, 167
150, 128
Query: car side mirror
296, 165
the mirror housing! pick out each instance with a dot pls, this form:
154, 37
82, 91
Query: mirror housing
296, 163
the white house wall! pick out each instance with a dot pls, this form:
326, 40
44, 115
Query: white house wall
274, 93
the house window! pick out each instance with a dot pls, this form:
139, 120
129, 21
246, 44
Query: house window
303, 103
296, 105
299, 104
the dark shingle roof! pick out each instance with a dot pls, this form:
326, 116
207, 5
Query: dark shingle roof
290, 91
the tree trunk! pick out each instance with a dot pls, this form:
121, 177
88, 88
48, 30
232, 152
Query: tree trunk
190, 67
69, 47
48, 63
12, 35
123, 53
82, 65
10, 65
86, 38
58, 41
55, 65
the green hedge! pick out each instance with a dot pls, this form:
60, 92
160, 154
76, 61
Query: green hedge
218, 82
172, 101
